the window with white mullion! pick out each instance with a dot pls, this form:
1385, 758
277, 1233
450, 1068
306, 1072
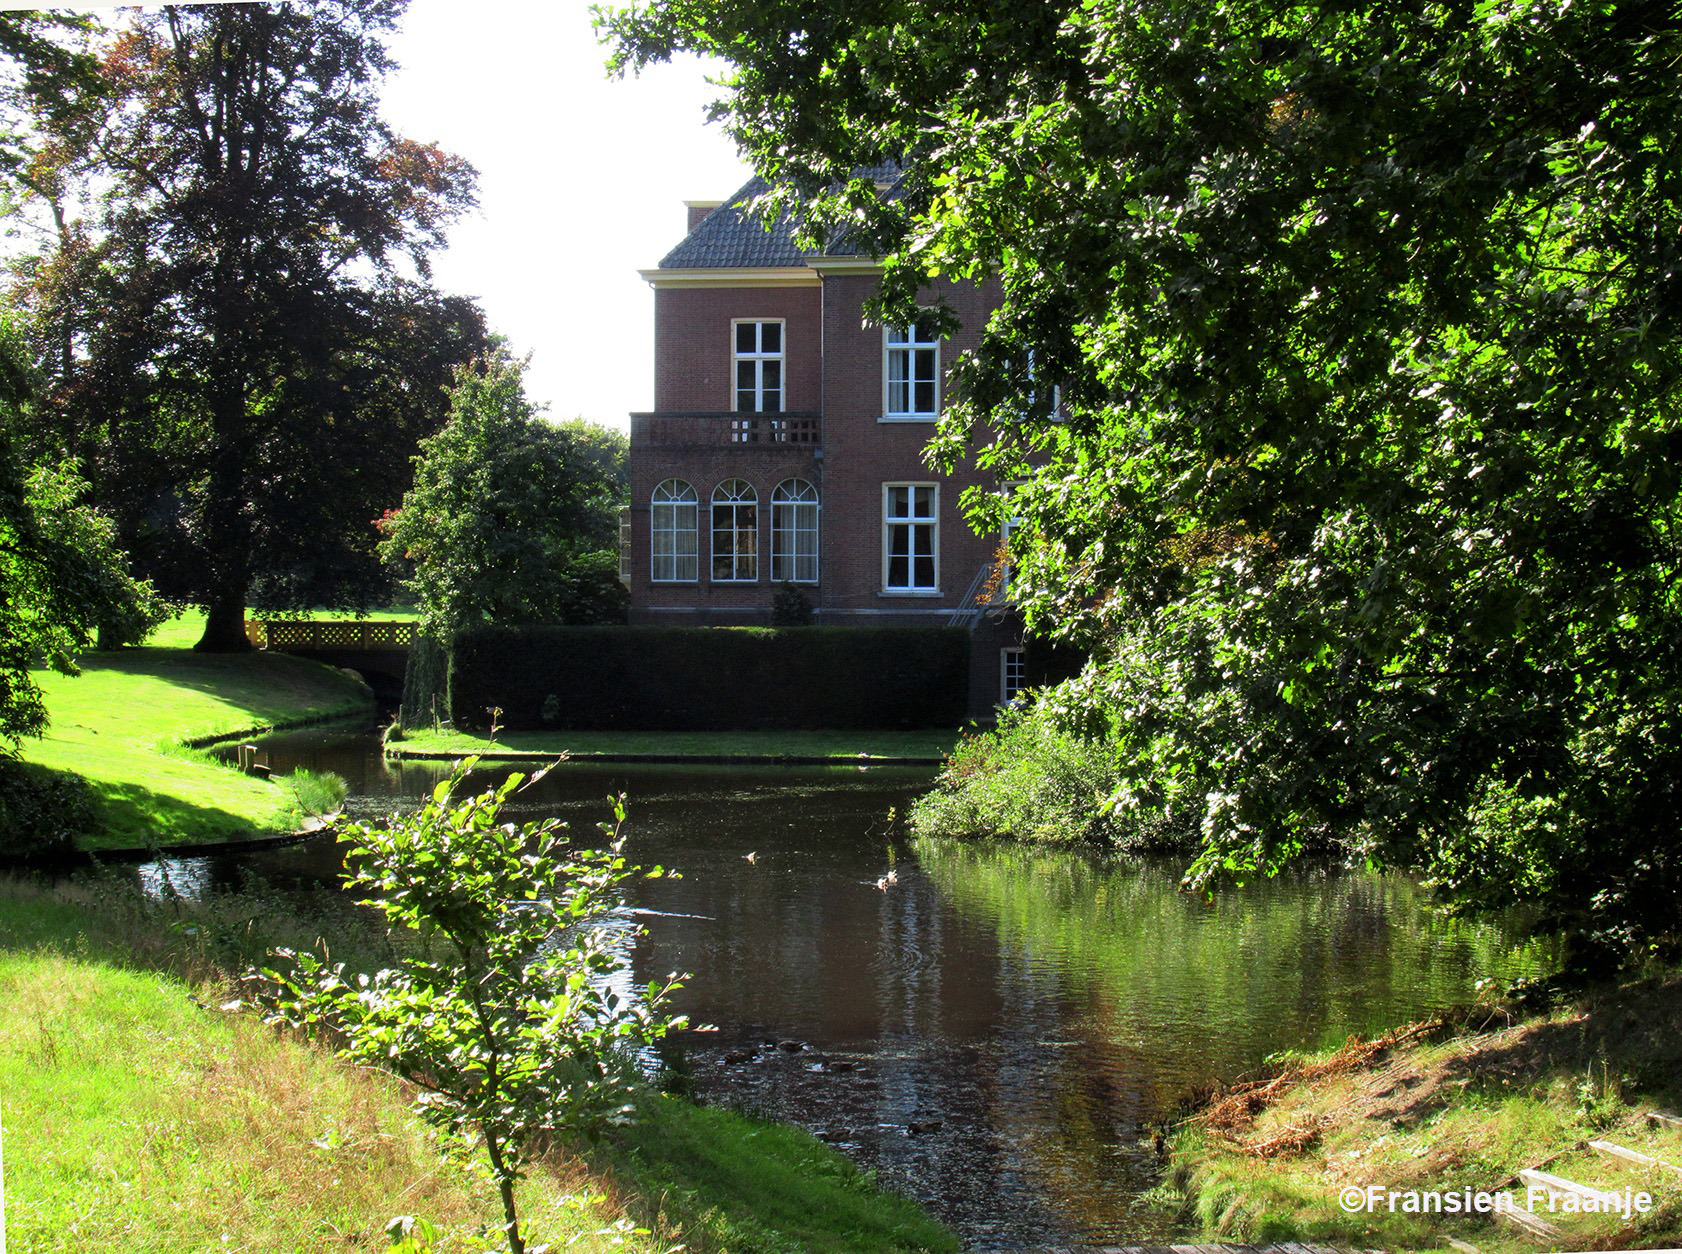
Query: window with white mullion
794, 532
911, 371
672, 536
759, 367
735, 532
910, 537
1013, 674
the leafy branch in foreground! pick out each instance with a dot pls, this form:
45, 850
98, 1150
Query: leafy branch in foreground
510, 1012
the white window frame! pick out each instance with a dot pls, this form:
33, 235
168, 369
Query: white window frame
671, 500
741, 553
794, 532
916, 523
1056, 413
903, 343
756, 359
625, 545
1013, 658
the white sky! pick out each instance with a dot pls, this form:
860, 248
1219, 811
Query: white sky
582, 181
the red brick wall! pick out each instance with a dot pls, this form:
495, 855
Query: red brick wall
859, 454
862, 452
694, 356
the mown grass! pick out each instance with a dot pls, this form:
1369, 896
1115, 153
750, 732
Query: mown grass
123, 723
841, 746
1465, 1109
147, 1110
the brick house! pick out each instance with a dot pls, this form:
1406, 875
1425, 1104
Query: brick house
785, 446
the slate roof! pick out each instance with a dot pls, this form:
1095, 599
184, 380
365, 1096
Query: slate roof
730, 237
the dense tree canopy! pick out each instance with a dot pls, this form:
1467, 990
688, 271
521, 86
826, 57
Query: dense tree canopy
63, 580
1365, 322
233, 311
512, 519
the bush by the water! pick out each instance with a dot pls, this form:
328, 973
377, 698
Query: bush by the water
1032, 779
41, 811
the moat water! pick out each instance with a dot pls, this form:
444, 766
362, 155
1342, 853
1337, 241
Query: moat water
998, 1030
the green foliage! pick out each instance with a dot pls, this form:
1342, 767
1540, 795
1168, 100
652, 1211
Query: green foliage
317, 793
42, 813
508, 1014
511, 519
1366, 326
232, 352
692, 678
62, 574
1031, 780
128, 609
790, 606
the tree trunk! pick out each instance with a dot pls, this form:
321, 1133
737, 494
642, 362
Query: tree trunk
505, 1187
224, 623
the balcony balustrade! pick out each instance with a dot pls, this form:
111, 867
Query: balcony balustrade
672, 428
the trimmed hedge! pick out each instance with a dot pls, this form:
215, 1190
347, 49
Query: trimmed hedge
709, 678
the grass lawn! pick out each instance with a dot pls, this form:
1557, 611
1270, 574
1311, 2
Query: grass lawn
847, 746
121, 724
147, 1111
141, 1118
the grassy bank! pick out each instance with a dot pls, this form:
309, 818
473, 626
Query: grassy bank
147, 1110
843, 747
123, 724
1449, 1108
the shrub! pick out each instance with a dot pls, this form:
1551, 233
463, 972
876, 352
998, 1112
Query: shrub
1032, 780
42, 812
790, 606
503, 1014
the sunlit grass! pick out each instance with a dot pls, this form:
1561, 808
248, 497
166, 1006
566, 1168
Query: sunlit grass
1462, 1113
137, 1120
147, 1112
121, 722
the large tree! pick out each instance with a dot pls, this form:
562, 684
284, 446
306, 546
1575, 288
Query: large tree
1365, 324
512, 519
239, 332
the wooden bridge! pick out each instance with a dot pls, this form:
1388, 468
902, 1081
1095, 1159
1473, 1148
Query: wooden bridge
376, 649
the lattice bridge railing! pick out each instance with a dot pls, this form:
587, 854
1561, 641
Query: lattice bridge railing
328, 635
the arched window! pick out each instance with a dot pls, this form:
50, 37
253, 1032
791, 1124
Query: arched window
735, 532
672, 539
794, 532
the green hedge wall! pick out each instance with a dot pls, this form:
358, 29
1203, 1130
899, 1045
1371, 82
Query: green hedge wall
710, 678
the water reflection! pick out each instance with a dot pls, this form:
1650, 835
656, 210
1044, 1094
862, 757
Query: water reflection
994, 1033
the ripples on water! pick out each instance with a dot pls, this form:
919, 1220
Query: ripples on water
997, 1032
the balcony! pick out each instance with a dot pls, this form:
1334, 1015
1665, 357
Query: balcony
712, 429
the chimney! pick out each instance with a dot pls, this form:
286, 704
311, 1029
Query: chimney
700, 211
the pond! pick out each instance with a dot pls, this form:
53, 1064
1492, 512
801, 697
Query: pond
997, 1030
